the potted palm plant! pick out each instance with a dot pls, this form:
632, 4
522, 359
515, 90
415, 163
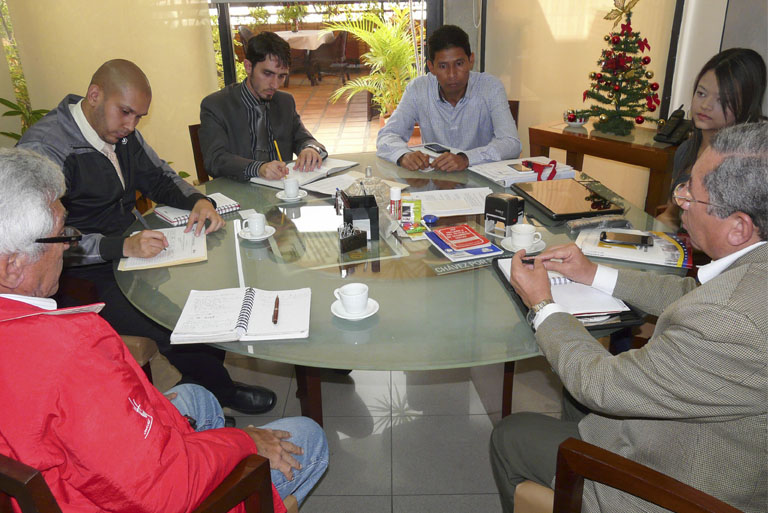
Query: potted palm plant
392, 57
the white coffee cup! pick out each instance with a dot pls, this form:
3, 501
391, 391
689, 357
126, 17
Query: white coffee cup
524, 236
290, 187
353, 297
255, 225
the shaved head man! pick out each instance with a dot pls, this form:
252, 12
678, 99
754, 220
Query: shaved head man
105, 162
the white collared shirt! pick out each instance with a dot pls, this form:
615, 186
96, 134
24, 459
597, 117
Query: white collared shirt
92, 137
605, 279
45, 303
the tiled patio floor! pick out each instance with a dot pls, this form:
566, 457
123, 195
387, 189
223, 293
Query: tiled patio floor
341, 127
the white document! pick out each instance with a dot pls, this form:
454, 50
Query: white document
502, 173
183, 248
453, 202
228, 315
329, 167
329, 185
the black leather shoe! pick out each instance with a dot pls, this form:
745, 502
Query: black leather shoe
251, 400
229, 421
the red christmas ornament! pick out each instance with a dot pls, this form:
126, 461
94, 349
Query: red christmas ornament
598, 76
651, 107
655, 86
572, 117
639, 120
616, 87
646, 60
615, 40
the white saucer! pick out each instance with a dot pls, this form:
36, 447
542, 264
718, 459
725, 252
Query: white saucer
338, 310
537, 247
269, 231
281, 196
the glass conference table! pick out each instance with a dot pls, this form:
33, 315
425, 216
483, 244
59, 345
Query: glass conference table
426, 320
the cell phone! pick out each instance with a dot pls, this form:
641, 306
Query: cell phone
626, 238
436, 148
521, 168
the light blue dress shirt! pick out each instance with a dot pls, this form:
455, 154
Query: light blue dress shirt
480, 125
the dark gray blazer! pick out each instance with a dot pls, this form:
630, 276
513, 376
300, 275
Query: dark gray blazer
692, 402
226, 140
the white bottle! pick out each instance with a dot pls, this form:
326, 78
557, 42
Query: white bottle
395, 203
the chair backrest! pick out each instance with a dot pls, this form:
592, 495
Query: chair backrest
577, 460
27, 486
197, 152
514, 108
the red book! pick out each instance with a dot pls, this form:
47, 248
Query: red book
461, 237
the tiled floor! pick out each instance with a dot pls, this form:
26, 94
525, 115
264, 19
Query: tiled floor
341, 127
402, 441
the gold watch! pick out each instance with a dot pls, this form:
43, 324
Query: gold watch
535, 309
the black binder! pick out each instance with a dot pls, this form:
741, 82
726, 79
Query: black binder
633, 317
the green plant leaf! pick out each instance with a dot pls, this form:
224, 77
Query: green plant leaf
10, 104
12, 135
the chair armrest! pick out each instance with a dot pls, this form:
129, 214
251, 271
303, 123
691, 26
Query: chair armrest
577, 460
26, 485
248, 482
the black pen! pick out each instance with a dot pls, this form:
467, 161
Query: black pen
276, 311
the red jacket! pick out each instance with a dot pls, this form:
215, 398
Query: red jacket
76, 406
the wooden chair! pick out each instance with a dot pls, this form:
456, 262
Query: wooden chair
331, 59
578, 460
514, 108
249, 482
197, 152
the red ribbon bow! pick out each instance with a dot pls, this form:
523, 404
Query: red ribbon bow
642, 45
626, 28
651, 99
540, 168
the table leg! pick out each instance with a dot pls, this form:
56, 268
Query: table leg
506, 387
575, 160
538, 150
308, 391
659, 181
308, 68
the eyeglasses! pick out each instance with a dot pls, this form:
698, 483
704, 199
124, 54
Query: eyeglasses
684, 198
69, 235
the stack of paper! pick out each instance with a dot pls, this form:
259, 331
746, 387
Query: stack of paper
452, 202
504, 172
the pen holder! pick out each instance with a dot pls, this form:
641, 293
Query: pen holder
351, 239
363, 214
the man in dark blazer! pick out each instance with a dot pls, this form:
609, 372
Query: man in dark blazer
241, 123
691, 403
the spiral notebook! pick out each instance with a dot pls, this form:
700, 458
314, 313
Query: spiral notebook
179, 216
594, 308
245, 314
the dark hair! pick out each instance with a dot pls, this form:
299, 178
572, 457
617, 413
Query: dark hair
740, 74
268, 43
448, 36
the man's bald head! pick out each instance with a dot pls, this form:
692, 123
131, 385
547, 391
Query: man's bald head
119, 75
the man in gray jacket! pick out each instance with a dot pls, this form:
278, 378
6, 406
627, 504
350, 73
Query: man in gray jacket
691, 403
243, 125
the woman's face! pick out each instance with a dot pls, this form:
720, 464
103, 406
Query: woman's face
706, 108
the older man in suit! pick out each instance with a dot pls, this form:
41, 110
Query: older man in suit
692, 402
243, 125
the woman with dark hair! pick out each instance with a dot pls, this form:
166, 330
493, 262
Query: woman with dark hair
729, 90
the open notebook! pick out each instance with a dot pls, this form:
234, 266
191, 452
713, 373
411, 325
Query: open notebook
245, 314
329, 167
594, 308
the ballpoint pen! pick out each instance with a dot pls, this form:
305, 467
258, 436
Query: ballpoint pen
276, 311
143, 221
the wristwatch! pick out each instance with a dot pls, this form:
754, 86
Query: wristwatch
535, 309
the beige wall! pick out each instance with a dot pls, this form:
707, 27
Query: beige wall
9, 124
63, 43
543, 51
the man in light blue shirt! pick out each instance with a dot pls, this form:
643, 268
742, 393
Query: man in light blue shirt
455, 107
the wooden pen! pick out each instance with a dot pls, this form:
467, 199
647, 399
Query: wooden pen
276, 311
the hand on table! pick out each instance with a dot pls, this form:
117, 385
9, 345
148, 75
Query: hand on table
574, 265
145, 244
274, 170
273, 445
415, 160
531, 282
451, 162
309, 160
202, 211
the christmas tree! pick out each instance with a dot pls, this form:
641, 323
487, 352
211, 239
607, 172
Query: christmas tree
622, 87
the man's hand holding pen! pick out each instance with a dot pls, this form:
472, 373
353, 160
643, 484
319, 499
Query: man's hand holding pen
145, 244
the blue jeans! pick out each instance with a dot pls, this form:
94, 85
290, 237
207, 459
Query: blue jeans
198, 403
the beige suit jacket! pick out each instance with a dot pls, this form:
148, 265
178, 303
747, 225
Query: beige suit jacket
692, 402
